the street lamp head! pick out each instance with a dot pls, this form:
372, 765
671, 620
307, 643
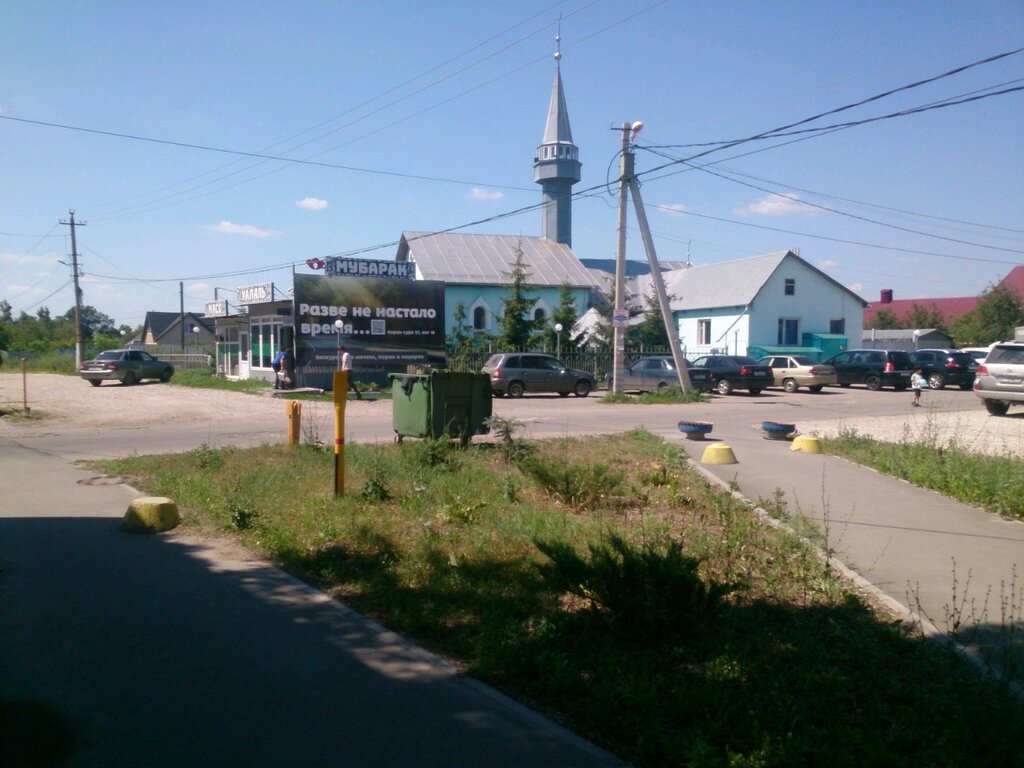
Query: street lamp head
558, 327
636, 128
338, 325
195, 329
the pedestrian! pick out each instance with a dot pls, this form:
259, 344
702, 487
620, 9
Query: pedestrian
917, 383
346, 365
286, 370
278, 368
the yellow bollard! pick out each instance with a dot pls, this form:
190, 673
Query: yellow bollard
718, 453
294, 410
806, 444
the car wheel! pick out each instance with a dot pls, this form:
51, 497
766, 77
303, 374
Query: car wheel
997, 407
790, 385
516, 389
817, 388
936, 380
724, 386
166, 375
873, 383
95, 382
582, 388
129, 379
755, 390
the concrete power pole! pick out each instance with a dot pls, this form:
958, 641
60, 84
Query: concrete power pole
627, 181
78, 291
619, 311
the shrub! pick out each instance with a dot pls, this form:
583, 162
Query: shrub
575, 485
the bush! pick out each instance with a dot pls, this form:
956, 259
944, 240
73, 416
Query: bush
644, 595
575, 485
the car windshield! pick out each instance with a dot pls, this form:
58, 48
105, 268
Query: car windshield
1007, 354
962, 358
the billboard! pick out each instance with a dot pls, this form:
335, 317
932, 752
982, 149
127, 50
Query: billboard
382, 321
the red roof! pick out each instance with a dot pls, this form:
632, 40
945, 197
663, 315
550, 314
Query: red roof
948, 308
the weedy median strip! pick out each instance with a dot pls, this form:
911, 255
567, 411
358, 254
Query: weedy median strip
602, 582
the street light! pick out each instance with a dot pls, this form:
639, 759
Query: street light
338, 325
195, 330
558, 340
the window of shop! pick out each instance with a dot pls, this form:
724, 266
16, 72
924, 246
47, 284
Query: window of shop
265, 338
837, 325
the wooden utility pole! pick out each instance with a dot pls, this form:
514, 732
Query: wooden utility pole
78, 291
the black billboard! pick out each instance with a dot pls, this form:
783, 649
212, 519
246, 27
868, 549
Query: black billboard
382, 321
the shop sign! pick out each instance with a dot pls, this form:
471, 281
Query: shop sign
255, 294
217, 308
339, 267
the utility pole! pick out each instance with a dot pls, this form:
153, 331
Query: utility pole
619, 328
78, 291
628, 181
181, 317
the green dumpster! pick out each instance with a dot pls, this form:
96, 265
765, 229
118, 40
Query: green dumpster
440, 403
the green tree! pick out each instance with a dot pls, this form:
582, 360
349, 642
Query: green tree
516, 325
457, 339
565, 314
651, 332
93, 321
995, 317
883, 320
5, 312
925, 316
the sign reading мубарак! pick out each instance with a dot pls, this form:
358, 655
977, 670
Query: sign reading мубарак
383, 322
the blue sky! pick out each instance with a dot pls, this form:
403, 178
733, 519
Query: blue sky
441, 106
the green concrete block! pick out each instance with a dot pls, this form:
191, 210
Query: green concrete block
150, 514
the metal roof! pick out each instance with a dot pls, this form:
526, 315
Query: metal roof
556, 129
729, 284
488, 259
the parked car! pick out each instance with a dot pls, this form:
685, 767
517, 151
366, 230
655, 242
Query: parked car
652, 373
978, 353
794, 371
945, 366
874, 368
515, 373
128, 366
729, 372
1000, 379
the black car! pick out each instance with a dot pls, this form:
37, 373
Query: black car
874, 368
652, 373
729, 372
946, 366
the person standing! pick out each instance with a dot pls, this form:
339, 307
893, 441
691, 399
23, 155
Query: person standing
917, 383
346, 365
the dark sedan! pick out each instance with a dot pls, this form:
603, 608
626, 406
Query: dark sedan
946, 366
729, 372
125, 365
653, 373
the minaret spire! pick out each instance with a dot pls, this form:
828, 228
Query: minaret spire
557, 167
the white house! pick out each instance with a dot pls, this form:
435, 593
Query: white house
744, 306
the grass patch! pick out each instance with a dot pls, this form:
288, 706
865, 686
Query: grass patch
658, 617
995, 483
205, 378
663, 396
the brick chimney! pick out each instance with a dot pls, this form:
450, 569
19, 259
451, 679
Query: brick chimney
886, 296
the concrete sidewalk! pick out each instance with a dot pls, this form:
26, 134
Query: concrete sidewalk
914, 545
171, 650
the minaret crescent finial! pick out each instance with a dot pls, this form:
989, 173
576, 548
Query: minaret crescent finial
558, 41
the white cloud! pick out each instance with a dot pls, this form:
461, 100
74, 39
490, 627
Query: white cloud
856, 287
485, 194
312, 203
826, 263
672, 209
199, 289
778, 205
227, 228
22, 258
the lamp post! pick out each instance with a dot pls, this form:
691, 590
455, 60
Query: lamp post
195, 330
558, 340
338, 325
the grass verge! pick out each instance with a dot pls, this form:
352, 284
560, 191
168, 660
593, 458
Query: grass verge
204, 378
662, 396
995, 483
603, 583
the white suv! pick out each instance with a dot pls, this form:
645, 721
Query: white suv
1000, 379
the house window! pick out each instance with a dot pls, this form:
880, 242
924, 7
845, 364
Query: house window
538, 315
790, 286
704, 332
837, 325
789, 330
479, 318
